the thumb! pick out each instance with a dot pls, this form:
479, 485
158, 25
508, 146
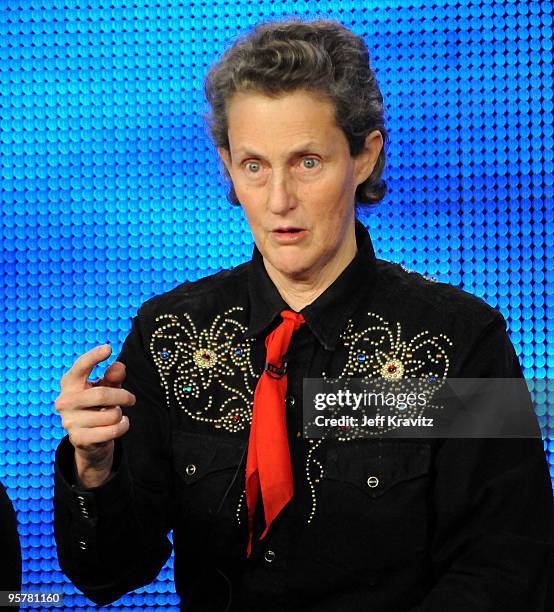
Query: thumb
114, 374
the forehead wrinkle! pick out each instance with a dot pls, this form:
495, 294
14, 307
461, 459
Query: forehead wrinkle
259, 126
302, 149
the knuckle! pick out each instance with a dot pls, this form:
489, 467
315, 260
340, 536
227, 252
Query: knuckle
101, 395
60, 404
67, 423
76, 439
113, 417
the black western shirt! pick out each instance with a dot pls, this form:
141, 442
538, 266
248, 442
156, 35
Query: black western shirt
449, 525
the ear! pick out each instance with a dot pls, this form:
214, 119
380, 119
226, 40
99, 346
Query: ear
225, 156
366, 159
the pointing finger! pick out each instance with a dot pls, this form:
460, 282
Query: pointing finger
76, 377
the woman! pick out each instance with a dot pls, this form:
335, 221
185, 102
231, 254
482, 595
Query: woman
10, 560
200, 425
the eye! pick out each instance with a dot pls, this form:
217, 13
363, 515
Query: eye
310, 163
253, 166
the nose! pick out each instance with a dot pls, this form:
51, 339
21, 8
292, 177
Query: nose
280, 197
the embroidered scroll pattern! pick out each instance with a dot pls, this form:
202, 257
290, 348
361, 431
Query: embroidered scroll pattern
378, 351
194, 365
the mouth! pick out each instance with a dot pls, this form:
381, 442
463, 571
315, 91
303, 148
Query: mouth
288, 230
288, 235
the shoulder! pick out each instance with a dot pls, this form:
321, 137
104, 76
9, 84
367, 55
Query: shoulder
208, 293
438, 299
429, 310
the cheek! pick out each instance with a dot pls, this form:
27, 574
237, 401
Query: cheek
333, 194
251, 213
249, 196
333, 209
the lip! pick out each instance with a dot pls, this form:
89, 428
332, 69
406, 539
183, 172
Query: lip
281, 235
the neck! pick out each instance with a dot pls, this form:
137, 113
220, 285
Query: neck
300, 291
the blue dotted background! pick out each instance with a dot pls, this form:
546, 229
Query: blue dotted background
111, 192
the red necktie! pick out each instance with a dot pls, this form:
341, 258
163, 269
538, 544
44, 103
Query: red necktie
268, 465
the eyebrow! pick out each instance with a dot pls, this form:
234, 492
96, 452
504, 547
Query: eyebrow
303, 149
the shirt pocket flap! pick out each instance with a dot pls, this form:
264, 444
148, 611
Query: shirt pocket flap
376, 468
196, 456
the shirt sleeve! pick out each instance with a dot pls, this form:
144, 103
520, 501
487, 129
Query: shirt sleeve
493, 508
112, 539
10, 559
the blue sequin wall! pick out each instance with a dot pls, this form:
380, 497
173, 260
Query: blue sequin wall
110, 189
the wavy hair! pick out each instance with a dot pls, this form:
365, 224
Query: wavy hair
320, 56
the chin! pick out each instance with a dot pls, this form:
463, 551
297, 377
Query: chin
295, 271
293, 264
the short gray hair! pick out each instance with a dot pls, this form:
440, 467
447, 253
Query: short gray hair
320, 56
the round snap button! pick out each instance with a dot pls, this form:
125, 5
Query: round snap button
190, 470
290, 401
372, 482
83, 545
269, 556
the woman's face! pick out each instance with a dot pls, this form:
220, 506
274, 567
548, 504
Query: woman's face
295, 179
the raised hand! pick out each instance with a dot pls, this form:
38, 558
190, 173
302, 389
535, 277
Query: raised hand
91, 413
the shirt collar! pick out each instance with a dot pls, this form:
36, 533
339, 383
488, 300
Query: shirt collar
328, 314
